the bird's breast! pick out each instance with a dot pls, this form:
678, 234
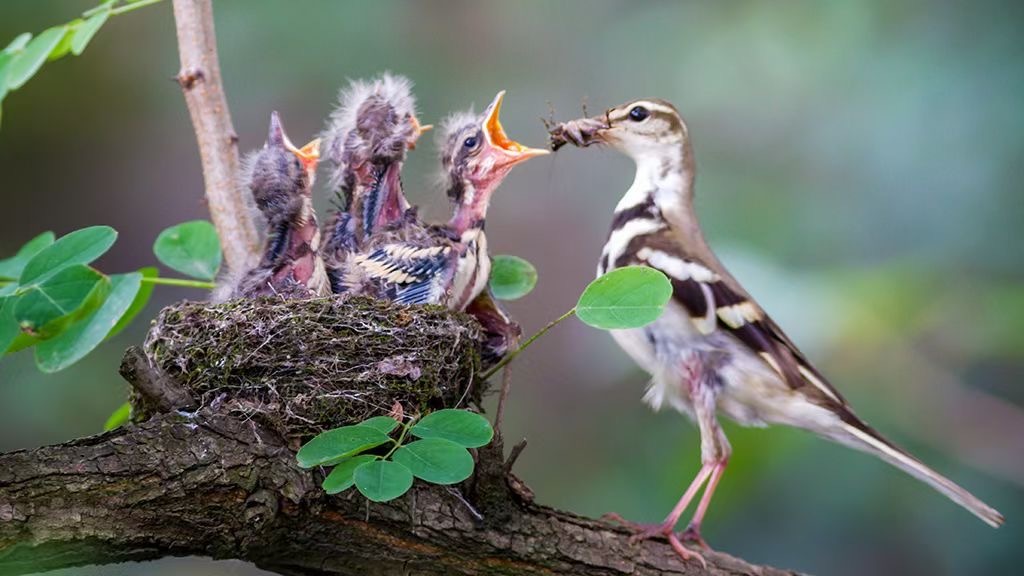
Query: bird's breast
472, 272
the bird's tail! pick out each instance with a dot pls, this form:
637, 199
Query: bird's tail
865, 438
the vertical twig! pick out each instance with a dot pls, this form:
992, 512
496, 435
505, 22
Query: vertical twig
506, 385
218, 144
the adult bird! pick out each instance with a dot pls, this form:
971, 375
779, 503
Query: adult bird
714, 350
447, 265
280, 177
366, 142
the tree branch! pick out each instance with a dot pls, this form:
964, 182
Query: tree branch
217, 486
200, 81
223, 481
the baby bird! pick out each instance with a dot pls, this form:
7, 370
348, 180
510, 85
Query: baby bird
366, 142
280, 177
447, 265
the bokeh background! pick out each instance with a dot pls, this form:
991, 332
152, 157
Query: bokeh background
860, 168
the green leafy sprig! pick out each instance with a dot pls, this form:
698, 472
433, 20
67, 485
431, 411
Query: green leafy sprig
439, 456
629, 297
22, 58
51, 298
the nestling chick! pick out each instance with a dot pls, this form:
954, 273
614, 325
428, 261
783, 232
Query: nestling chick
280, 177
449, 264
366, 143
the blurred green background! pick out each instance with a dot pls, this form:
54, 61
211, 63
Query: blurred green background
860, 168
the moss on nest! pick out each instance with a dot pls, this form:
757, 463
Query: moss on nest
304, 366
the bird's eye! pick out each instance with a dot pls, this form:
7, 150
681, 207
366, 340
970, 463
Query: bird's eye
470, 142
639, 114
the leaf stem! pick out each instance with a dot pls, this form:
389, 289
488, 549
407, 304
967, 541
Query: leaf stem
512, 355
120, 9
133, 6
201, 284
398, 443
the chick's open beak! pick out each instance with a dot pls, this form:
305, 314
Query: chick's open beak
417, 131
309, 154
509, 151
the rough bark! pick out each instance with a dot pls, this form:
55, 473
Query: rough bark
219, 482
200, 82
212, 485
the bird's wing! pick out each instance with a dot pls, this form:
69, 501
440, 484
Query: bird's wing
714, 304
410, 274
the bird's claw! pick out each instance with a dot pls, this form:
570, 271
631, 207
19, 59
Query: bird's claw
648, 531
684, 553
692, 534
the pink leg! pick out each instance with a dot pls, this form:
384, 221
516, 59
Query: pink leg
692, 532
715, 452
673, 517
667, 528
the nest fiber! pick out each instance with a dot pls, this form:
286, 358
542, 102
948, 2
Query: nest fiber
304, 366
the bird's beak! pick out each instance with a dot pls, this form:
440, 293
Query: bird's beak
508, 151
276, 135
417, 131
582, 132
309, 154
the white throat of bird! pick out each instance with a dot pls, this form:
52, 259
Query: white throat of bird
661, 174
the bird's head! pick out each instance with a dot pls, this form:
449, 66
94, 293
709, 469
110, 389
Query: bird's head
476, 152
279, 171
374, 124
640, 129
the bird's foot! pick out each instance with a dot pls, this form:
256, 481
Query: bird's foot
665, 529
692, 534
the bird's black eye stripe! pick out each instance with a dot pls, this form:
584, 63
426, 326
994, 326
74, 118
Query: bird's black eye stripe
639, 113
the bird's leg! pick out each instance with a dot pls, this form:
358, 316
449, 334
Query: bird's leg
692, 532
714, 446
702, 385
667, 528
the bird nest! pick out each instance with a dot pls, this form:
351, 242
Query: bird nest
304, 366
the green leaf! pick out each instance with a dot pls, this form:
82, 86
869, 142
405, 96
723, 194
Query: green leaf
191, 248
334, 445
46, 309
5, 72
19, 43
11, 267
78, 247
511, 277
31, 58
629, 297
462, 427
8, 325
87, 30
138, 304
119, 417
22, 341
64, 46
382, 480
436, 460
383, 424
343, 476
84, 336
